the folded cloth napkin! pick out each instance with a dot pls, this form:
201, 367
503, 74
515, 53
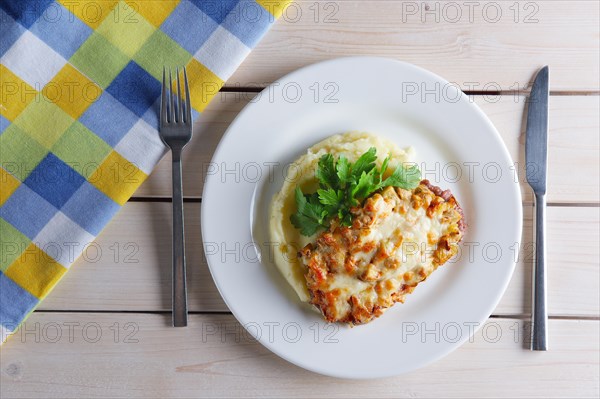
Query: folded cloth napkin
79, 94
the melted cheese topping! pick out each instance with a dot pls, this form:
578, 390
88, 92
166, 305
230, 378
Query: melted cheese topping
397, 239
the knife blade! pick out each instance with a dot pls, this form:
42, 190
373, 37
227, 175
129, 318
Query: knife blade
536, 158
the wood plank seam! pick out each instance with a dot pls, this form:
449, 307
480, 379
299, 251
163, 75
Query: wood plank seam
524, 316
521, 92
198, 200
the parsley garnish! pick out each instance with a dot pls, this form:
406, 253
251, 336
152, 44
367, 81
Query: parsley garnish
343, 185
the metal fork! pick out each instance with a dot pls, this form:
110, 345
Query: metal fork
176, 131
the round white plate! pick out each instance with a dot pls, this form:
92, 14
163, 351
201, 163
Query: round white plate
457, 147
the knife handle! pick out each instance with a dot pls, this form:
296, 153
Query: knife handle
539, 316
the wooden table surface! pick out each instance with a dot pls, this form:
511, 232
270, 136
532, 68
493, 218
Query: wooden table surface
104, 331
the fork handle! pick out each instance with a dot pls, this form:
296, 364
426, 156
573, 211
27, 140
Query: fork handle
539, 310
179, 286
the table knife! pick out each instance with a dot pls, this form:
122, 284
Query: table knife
536, 158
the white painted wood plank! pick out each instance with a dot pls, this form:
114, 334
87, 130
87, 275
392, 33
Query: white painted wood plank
213, 357
130, 266
480, 45
573, 271
574, 150
138, 276
573, 143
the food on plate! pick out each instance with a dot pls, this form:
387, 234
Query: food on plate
301, 174
356, 232
396, 240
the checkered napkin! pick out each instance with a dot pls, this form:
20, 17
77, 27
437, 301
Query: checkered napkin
79, 94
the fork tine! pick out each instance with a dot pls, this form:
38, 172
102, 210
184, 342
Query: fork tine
171, 99
163, 100
179, 99
188, 103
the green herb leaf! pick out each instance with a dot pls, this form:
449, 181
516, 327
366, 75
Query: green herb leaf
365, 186
403, 177
343, 169
326, 173
329, 196
307, 226
384, 166
300, 200
314, 209
365, 163
310, 215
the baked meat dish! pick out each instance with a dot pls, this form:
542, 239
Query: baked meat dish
397, 238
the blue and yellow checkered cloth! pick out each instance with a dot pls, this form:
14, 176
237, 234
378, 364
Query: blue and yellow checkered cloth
79, 94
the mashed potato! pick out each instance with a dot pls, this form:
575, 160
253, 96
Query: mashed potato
302, 173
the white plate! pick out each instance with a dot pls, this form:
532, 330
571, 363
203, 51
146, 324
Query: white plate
410, 106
